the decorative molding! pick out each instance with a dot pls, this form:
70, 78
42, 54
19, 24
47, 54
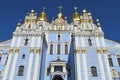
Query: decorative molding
17, 51
98, 50
11, 50
38, 50
31, 50
104, 50
77, 50
83, 50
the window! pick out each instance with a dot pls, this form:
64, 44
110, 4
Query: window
119, 74
110, 61
29, 26
23, 56
66, 49
21, 70
0, 59
48, 71
118, 61
51, 48
26, 42
58, 68
58, 37
6, 61
89, 42
1, 74
94, 71
58, 49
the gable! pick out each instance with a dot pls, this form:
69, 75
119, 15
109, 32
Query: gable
111, 43
6, 43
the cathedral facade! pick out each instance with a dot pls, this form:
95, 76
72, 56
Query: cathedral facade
58, 50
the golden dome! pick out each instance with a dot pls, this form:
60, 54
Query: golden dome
76, 17
60, 16
43, 17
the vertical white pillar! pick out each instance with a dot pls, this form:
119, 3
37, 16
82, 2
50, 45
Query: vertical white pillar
84, 59
103, 42
100, 59
8, 64
106, 59
107, 67
78, 67
9, 59
15, 59
37, 60
30, 59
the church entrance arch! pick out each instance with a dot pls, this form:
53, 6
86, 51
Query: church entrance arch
57, 77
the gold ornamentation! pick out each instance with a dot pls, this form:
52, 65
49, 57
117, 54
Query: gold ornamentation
77, 50
38, 50
76, 17
26, 20
11, 50
104, 50
83, 50
17, 51
98, 50
81, 21
90, 21
31, 50
43, 17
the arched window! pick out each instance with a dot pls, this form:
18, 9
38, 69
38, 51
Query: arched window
21, 70
29, 26
110, 61
23, 56
66, 49
118, 61
58, 37
89, 42
51, 48
58, 49
94, 71
26, 42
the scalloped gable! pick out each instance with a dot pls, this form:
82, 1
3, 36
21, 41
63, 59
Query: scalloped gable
6, 42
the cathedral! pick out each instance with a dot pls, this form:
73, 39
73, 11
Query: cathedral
59, 50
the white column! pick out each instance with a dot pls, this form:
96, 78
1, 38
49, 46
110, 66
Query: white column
85, 66
78, 67
82, 42
84, 59
9, 59
37, 61
30, 59
100, 60
106, 60
103, 42
107, 67
7, 67
12, 72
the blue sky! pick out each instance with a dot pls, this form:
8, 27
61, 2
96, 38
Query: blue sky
108, 11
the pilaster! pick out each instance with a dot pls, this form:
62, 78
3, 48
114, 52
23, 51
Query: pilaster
100, 59
78, 66
15, 59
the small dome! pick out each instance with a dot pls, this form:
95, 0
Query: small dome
43, 17
76, 17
